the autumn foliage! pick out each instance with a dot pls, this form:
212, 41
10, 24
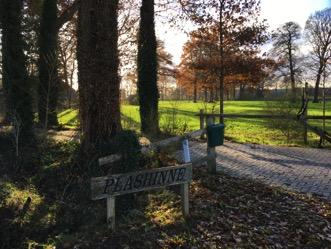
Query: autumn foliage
200, 64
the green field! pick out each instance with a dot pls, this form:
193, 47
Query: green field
179, 117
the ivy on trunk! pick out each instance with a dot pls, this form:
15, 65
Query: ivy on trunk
98, 62
147, 70
48, 65
16, 82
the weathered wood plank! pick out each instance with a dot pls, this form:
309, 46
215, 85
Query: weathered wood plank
184, 189
248, 116
111, 212
325, 135
114, 185
178, 139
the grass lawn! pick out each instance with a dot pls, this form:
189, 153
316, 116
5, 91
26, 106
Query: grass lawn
181, 116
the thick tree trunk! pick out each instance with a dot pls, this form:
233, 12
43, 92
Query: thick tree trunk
5, 81
14, 67
48, 65
99, 84
147, 70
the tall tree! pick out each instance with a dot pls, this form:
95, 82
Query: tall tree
166, 70
14, 66
67, 57
147, 70
318, 32
200, 63
4, 78
48, 65
48, 57
98, 77
285, 47
234, 18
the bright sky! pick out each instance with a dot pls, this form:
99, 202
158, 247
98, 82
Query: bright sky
276, 12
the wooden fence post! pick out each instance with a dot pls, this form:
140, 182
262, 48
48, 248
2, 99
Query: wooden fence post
305, 131
305, 113
211, 152
202, 122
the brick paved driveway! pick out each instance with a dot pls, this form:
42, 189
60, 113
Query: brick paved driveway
302, 169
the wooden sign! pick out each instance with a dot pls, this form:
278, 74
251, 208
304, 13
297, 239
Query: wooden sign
114, 185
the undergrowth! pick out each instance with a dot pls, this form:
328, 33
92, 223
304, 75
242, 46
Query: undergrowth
51, 208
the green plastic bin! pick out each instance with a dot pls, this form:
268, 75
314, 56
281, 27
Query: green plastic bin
215, 135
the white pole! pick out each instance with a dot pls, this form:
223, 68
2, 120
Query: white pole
186, 151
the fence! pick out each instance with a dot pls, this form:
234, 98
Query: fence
174, 143
301, 117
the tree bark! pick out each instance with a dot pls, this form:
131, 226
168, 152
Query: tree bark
317, 83
5, 81
48, 65
147, 70
17, 87
98, 63
291, 65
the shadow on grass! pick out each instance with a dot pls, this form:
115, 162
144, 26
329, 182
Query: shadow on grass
129, 122
168, 110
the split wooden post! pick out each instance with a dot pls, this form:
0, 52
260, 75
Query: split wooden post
184, 192
202, 122
305, 131
111, 212
211, 152
111, 199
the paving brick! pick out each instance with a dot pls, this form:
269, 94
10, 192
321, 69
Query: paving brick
301, 169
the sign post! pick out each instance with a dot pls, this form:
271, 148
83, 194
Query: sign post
108, 187
186, 151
